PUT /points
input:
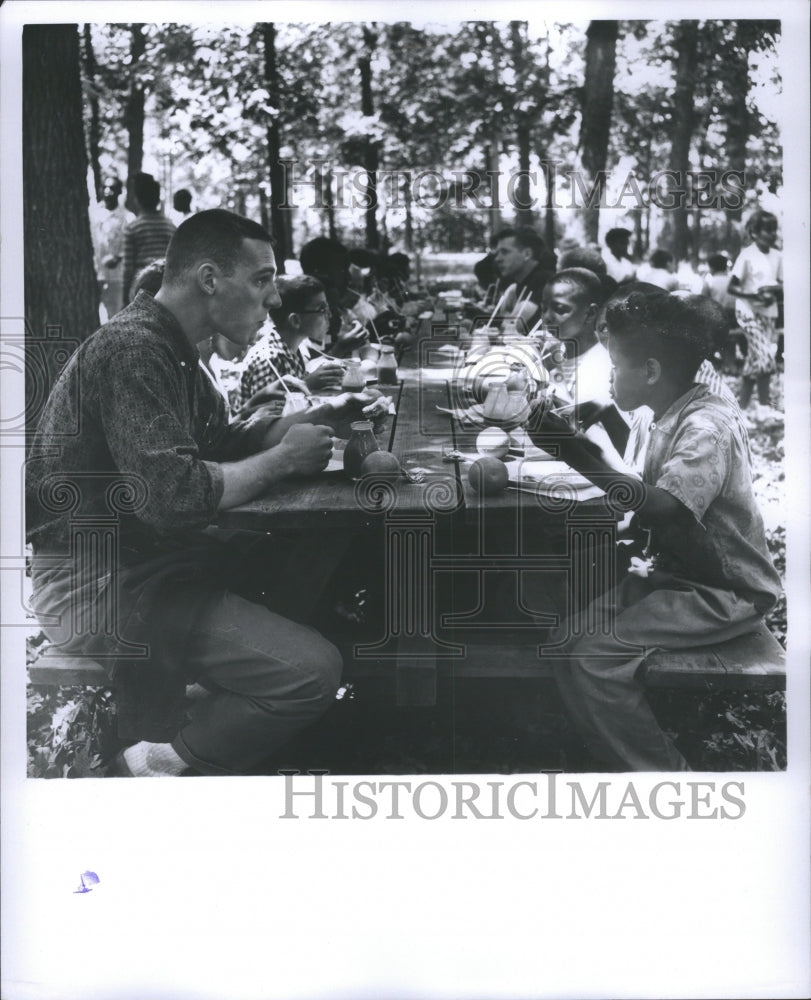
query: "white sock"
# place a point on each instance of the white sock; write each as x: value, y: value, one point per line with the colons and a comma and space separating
x: 154, y: 760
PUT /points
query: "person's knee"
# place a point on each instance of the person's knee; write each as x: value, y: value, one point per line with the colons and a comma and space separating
x: 320, y: 659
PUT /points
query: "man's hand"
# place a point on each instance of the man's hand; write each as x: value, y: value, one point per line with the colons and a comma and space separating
x: 307, y: 448
x: 353, y: 337
x: 350, y: 406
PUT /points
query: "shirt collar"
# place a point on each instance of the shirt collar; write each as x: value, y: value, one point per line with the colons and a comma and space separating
x: 170, y: 325
x: 672, y: 415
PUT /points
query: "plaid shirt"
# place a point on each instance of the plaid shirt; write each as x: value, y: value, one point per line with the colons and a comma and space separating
x: 257, y: 371
x: 133, y: 411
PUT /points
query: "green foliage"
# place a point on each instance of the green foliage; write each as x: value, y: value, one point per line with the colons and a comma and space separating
x: 70, y: 730
x: 446, y: 97
x: 726, y: 731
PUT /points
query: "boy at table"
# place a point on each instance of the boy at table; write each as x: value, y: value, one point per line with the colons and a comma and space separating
x: 135, y: 435
x: 303, y: 314
x: 708, y: 577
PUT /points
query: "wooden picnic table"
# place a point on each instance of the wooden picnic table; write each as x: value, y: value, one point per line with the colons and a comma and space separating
x: 440, y: 530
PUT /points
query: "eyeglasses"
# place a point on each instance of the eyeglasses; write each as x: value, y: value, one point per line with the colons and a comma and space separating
x: 320, y: 311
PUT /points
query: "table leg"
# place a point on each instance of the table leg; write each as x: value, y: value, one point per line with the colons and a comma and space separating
x: 409, y: 636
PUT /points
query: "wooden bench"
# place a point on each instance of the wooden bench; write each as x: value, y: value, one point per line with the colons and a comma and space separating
x: 753, y: 662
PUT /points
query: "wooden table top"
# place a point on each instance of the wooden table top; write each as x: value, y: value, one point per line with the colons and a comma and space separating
x: 419, y: 435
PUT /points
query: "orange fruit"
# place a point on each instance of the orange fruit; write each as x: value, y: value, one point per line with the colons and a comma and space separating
x: 381, y: 463
x: 488, y: 475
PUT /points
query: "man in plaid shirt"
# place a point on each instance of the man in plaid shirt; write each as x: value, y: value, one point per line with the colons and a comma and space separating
x: 136, y: 436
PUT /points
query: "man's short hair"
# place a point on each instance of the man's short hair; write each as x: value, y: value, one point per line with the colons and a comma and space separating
x: 181, y: 202
x: 397, y: 265
x: 525, y: 237
x: 591, y: 260
x: 718, y: 263
x: 618, y: 235
x: 661, y: 259
x: 147, y: 190
x: 215, y: 235
x: 295, y: 292
x: 586, y: 282
x: 661, y: 327
x: 321, y: 254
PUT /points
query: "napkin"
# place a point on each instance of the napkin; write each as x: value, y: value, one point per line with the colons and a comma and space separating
x: 550, y: 478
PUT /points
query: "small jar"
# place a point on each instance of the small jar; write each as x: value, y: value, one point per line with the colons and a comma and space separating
x: 362, y: 442
x: 386, y: 366
x: 354, y: 379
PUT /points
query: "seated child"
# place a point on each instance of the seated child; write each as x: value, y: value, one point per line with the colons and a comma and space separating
x: 304, y: 313
x: 709, y: 576
x: 571, y: 303
x: 707, y: 314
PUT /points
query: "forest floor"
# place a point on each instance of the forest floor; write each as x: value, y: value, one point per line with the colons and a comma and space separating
x: 477, y: 726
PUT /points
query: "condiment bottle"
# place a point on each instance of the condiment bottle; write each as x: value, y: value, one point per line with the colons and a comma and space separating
x: 362, y: 442
x: 386, y: 366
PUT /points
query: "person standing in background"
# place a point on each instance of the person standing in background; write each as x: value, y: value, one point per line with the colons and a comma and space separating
x: 108, y: 222
x: 147, y: 237
x: 619, y: 265
x: 181, y: 206
x: 756, y: 283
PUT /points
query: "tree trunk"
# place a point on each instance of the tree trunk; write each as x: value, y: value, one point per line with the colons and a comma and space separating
x: 523, y: 211
x: 686, y: 42
x: 491, y: 169
x: 134, y: 113
x: 94, y: 131
x: 371, y: 153
x: 409, y: 215
x: 549, y: 171
x: 601, y: 51
x: 737, y: 119
x: 264, y: 218
x: 279, y: 210
x: 61, y: 293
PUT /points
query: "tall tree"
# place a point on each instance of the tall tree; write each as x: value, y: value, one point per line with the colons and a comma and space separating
x: 94, y: 125
x: 279, y: 212
x: 686, y: 45
x: 598, y: 99
x: 60, y: 280
x: 134, y: 111
x: 371, y: 151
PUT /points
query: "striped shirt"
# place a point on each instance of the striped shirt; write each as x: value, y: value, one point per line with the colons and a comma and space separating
x: 145, y: 240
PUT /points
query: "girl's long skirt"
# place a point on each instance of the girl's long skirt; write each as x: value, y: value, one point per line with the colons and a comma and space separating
x: 759, y: 333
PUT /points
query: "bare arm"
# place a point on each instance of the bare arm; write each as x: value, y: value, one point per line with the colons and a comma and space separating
x: 304, y: 450
x: 629, y: 493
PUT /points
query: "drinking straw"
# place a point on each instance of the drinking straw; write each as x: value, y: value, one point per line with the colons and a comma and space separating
x: 523, y: 296
x: 498, y: 306
x: 275, y: 371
